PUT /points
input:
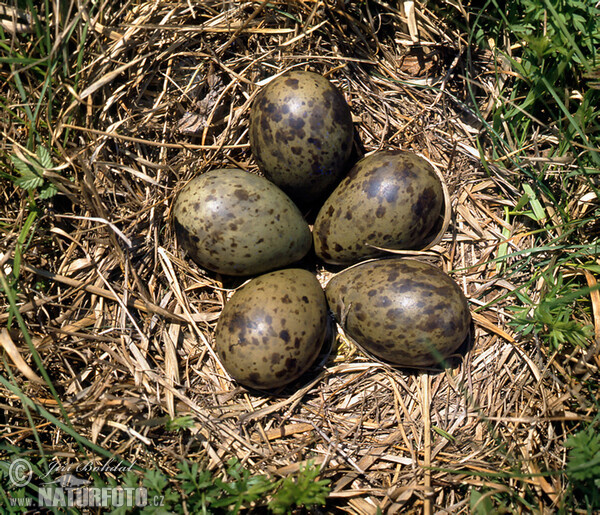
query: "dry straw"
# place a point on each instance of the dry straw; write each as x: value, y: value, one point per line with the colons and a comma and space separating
x: 125, y: 327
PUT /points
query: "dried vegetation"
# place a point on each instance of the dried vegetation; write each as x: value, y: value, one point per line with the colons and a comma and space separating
x: 124, y: 321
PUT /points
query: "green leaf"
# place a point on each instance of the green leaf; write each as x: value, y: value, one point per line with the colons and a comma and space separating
x: 29, y: 182
x: 155, y: 480
x: 481, y: 504
x: 521, y: 202
x: 23, y: 167
x: 176, y: 424
x: 444, y: 434
x: 303, y: 490
x: 44, y: 157
x: 48, y: 191
x: 584, y: 456
x: 536, y: 206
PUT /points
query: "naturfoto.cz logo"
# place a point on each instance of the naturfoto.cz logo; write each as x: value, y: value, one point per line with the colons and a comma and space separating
x: 69, y: 490
x: 92, y: 497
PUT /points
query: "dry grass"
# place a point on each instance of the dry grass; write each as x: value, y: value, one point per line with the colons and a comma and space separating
x: 124, y: 322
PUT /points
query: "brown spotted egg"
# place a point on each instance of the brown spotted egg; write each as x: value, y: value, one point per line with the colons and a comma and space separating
x: 271, y: 330
x: 301, y: 134
x: 390, y: 199
x: 237, y: 223
x: 403, y: 311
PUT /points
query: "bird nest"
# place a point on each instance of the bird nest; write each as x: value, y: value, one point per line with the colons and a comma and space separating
x: 124, y: 321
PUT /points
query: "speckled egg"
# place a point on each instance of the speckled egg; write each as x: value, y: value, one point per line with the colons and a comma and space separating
x: 301, y: 134
x: 271, y: 330
x: 390, y: 199
x: 237, y: 223
x: 403, y: 311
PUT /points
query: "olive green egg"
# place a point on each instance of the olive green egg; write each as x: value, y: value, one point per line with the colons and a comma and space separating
x: 301, y: 134
x: 271, y: 330
x: 238, y: 223
x: 403, y: 311
x: 390, y: 199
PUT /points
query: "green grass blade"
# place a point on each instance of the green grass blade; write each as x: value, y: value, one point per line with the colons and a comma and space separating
x: 567, y: 34
x: 593, y: 153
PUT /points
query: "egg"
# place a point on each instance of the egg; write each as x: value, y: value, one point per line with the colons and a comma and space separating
x: 271, y: 330
x: 390, y: 199
x: 301, y: 134
x: 238, y: 223
x: 403, y: 311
